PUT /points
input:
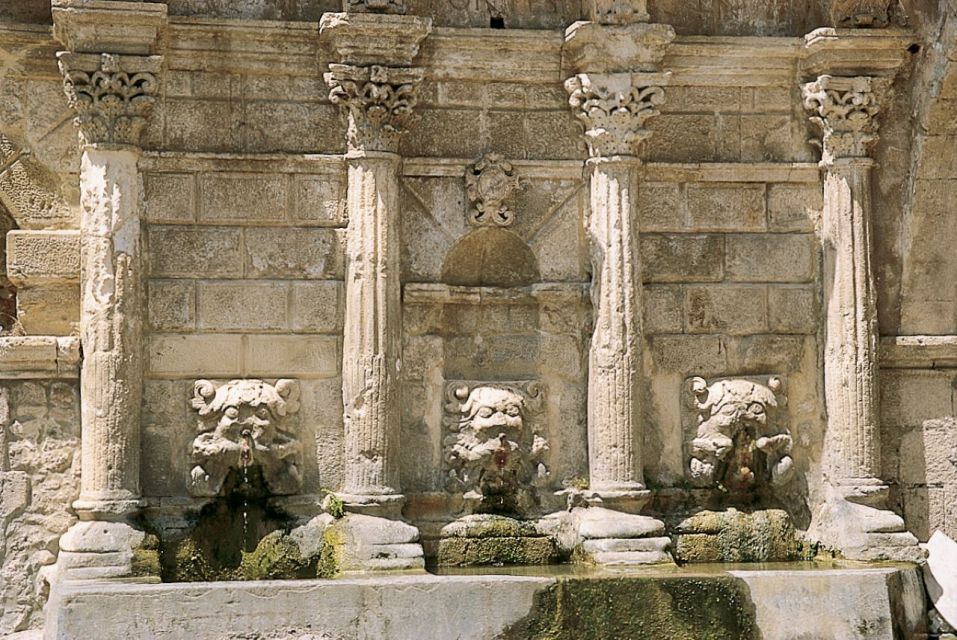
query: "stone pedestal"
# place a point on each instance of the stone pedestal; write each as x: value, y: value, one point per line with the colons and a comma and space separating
x: 373, y: 83
x: 855, y: 517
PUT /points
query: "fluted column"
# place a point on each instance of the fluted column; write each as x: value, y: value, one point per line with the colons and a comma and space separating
x: 855, y: 517
x: 377, y: 90
x: 112, y: 96
x: 615, y: 92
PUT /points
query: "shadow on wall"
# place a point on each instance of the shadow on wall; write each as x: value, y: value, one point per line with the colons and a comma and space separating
x: 490, y: 258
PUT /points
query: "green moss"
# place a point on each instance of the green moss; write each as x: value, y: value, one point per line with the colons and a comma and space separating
x: 633, y: 608
x: 191, y: 564
x: 146, y: 558
x: 334, y: 506
x: 328, y: 563
x: 276, y: 557
x: 734, y: 536
x: 467, y: 552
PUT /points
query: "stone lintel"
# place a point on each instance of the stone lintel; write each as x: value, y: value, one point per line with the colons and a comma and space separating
x: 847, y: 52
x: 96, y: 26
x: 600, y: 48
x: 367, y: 38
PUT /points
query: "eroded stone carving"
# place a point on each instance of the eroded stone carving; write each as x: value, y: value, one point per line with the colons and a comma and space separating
x: 739, y: 441
x: 397, y: 7
x: 614, y: 108
x: 112, y: 104
x: 243, y: 423
x: 846, y: 110
x: 618, y: 11
x: 488, y: 183
x: 379, y: 100
x: 860, y: 13
x: 495, y: 457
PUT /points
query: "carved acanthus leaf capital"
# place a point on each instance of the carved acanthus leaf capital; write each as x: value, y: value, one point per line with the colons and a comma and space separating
x: 846, y: 110
x: 379, y: 101
x: 112, y: 95
x: 614, y: 108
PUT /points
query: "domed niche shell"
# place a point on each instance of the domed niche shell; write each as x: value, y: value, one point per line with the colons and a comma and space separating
x: 490, y: 258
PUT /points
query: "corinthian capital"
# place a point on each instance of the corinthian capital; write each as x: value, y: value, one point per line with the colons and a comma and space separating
x: 846, y: 110
x: 112, y: 95
x: 379, y: 101
x: 614, y: 108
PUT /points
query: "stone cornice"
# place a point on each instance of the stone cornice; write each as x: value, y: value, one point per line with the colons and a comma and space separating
x: 95, y: 26
x: 849, y: 52
x: 367, y: 39
x: 592, y: 47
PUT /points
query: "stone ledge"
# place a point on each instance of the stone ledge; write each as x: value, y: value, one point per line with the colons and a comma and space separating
x: 919, y: 352
x: 556, y: 292
x: 39, y: 357
x: 873, y: 603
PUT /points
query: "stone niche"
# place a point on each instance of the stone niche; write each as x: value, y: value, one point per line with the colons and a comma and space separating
x: 246, y: 424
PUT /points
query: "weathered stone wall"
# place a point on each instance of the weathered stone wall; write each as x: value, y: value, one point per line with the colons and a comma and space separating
x: 39, y: 479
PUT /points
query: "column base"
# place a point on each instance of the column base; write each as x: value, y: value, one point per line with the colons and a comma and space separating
x: 855, y: 520
x: 96, y: 549
x: 374, y: 543
x: 387, y: 505
x: 613, y: 538
x: 623, y: 499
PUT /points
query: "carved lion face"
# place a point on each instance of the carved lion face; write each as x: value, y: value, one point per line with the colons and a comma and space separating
x: 732, y: 404
x: 493, y: 408
x: 246, y: 408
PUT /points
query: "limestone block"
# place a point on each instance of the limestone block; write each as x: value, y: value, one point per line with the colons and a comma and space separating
x: 31, y: 193
x: 322, y: 411
x: 927, y: 453
x: 705, y: 354
x: 678, y: 137
x: 168, y: 197
x: 682, y: 258
x: 319, y: 200
x: 776, y: 138
x: 242, y: 197
x: 212, y: 252
x: 771, y: 352
x: 661, y: 207
x: 38, y: 257
x: 727, y: 309
x: 451, y: 133
x: 171, y: 305
x: 699, y: 99
x: 663, y: 309
x: 316, y: 306
x: 726, y: 206
x: 280, y: 355
x: 241, y: 305
x: 181, y: 355
x: 598, y: 522
x: 940, y: 574
x: 909, y: 397
x: 168, y: 430
x: 794, y: 207
x: 306, y: 253
x: 553, y: 135
x: 49, y: 309
x: 273, y: 127
x: 793, y: 309
x: 774, y: 257
x: 203, y: 125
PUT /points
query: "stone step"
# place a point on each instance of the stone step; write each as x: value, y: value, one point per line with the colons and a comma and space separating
x: 628, y: 558
x: 625, y: 545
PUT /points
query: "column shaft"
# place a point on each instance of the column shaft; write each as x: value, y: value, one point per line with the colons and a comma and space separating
x: 111, y: 376
x: 372, y: 337
x: 851, y: 341
x: 614, y: 441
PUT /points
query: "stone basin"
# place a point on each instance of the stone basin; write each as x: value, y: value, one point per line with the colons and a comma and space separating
x: 788, y: 601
